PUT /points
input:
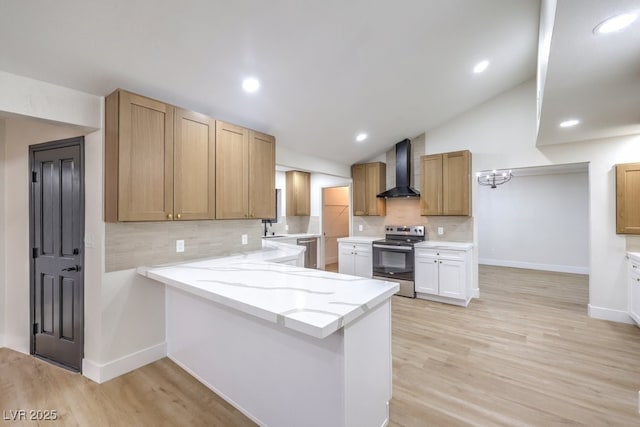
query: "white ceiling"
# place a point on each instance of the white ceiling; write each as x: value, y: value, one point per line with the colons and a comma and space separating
x: 329, y: 69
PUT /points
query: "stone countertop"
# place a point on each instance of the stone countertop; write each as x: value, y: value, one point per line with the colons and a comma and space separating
x: 634, y: 255
x: 434, y: 244
x: 313, y: 302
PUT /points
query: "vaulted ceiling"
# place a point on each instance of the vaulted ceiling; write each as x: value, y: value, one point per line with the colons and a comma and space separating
x: 328, y: 70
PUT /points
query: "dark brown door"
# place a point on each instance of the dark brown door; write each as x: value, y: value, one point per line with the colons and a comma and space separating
x: 57, y: 231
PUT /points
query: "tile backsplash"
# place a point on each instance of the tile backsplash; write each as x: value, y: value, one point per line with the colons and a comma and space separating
x: 133, y: 244
x: 407, y: 212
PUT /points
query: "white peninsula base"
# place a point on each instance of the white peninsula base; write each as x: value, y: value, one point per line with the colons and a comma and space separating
x: 281, y: 377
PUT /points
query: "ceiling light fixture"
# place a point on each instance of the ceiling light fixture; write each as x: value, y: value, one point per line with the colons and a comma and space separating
x: 494, y: 178
x: 569, y: 123
x: 481, y: 66
x: 250, y: 85
x: 361, y: 137
x: 615, y: 23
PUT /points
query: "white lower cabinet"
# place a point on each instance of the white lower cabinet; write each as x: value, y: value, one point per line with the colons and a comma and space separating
x: 355, y: 259
x: 443, y: 275
x: 634, y: 287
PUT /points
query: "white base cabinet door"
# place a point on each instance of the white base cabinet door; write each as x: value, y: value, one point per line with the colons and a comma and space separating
x: 355, y: 259
x: 443, y: 275
x: 426, y: 273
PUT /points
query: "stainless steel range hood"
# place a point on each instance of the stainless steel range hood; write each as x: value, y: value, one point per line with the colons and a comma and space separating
x: 403, y: 173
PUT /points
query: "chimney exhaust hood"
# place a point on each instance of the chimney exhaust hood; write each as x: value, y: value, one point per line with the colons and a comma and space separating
x: 403, y: 173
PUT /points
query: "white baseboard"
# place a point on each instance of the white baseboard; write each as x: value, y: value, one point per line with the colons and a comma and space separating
x: 102, y: 372
x: 535, y: 266
x: 619, y: 316
x: 475, y: 293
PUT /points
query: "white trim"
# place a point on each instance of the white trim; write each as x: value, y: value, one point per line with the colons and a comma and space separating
x: 102, y: 372
x: 475, y: 293
x: 620, y: 316
x: 535, y: 266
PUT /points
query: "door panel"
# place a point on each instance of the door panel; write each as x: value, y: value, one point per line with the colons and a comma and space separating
x: 57, y: 230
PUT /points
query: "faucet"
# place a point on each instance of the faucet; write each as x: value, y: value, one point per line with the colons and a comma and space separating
x: 265, y: 221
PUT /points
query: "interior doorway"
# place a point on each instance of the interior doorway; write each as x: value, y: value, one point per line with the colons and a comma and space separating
x: 335, y: 222
x: 56, y: 232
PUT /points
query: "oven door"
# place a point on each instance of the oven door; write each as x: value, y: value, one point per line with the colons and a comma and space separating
x: 394, y: 262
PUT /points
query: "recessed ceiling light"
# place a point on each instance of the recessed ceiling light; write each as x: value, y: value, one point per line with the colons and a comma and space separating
x: 615, y: 23
x: 250, y: 84
x: 361, y: 137
x: 481, y: 66
x: 569, y: 123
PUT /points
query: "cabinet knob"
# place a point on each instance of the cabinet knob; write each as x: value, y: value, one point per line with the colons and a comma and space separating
x: 638, y: 279
x: 178, y: 216
x: 435, y: 260
x: 169, y: 216
x: 634, y: 266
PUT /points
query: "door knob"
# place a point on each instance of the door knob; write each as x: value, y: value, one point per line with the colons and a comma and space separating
x: 74, y: 268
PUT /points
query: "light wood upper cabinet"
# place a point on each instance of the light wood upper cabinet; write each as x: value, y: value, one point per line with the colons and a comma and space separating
x: 298, y: 193
x: 245, y: 173
x: 159, y: 161
x: 262, y: 175
x: 446, y: 184
x: 138, y: 158
x: 194, y: 163
x: 628, y: 198
x: 369, y: 179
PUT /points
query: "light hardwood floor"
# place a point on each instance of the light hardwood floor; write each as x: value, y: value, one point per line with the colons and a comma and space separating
x: 525, y: 354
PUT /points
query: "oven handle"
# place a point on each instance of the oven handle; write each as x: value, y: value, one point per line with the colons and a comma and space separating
x: 397, y: 248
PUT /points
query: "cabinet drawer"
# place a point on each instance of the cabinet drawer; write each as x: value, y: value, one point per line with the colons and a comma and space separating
x: 441, y: 254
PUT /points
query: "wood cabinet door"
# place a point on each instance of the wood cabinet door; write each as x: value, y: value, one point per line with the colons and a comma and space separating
x: 232, y: 165
x: 628, y: 198
x: 145, y: 159
x: 262, y: 175
x: 431, y: 188
x: 359, y: 177
x: 194, y: 166
x: 376, y: 177
x: 298, y: 193
x: 456, y: 182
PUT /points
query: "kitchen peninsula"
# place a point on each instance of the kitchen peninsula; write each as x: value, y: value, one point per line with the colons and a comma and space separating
x: 287, y: 346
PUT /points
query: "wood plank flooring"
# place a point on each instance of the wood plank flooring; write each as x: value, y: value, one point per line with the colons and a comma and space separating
x: 525, y: 354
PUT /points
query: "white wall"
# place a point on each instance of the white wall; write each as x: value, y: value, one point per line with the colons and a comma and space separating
x: 22, y: 96
x: 535, y: 221
x: 3, y: 206
x: 502, y: 133
x: 20, y: 133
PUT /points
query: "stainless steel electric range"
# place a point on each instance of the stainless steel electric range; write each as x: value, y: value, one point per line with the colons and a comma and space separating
x: 393, y: 257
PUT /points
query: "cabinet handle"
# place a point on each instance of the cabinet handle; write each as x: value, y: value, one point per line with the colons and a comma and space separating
x: 169, y: 216
x: 178, y: 216
x: 634, y: 266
